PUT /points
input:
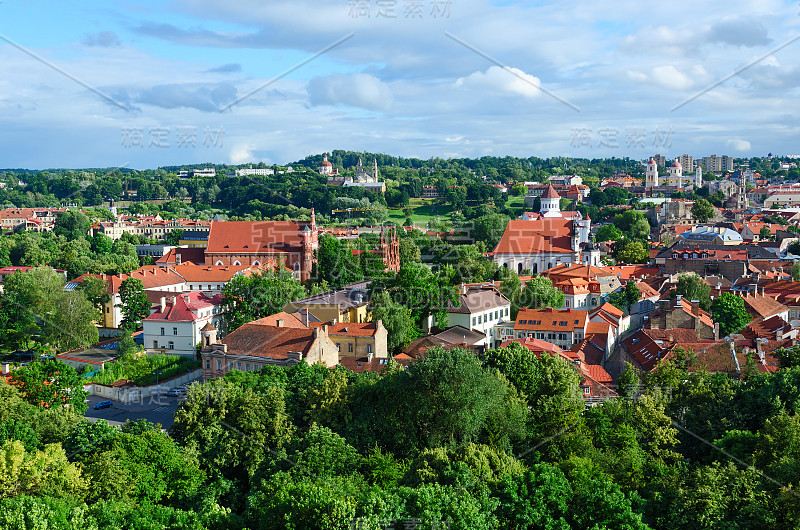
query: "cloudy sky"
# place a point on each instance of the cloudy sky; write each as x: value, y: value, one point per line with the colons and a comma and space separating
x: 144, y: 83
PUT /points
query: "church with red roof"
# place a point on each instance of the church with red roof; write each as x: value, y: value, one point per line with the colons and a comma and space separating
x: 552, y: 239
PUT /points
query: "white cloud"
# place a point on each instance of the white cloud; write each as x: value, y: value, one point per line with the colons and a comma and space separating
x: 511, y: 80
x: 739, y: 145
x: 241, y: 154
x: 356, y: 90
x: 670, y: 77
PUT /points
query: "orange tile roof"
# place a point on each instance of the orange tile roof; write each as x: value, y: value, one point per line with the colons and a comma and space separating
x: 551, y: 234
x: 252, y: 237
x: 348, y: 329
x: 550, y: 319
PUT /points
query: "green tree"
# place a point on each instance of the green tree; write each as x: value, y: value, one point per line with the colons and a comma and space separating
x: 45, y: 472
x: 96, y: 291
x: 702, y: 210
x: 71, y: 224
x: 764, y: 234
x: 632, y: 252
x: 51, y: 384
x: 608, y: 233
x: 489, y: 228
x: 789, y: 357
x: 539, y: 292
x: 229, y: 426
x: 730, y: 313
x: 175, y: 236
x: 147, y: 467
x: 249, y: 298
x: 511, y: 288
x: 336, y: 263
x: 409, y: 251
x: 624, y: 298
x: 134, y: 303
x: 633, y: 223
x: 693, y: 287
x: 101, y: 243
x: 68, y: 321
x: 396, y: 318
x: 419, y: 289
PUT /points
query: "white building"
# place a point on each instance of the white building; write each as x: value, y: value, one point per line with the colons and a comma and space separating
x: 175, y: 326
x: 540, y: 244
x: 254, y: 171
x: 482, y: 308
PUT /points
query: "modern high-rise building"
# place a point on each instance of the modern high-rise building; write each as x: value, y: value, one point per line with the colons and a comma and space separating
x: 727, y: 163
x: 711, y: 163
x: 660, y: 160
x: 687, y: 163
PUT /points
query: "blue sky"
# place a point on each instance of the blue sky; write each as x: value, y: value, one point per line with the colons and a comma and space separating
x: 142, y: 84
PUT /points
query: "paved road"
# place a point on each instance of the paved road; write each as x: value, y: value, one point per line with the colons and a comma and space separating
x: 158, y: 410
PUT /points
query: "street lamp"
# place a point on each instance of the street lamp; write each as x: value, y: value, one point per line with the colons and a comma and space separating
x: 157, y: 373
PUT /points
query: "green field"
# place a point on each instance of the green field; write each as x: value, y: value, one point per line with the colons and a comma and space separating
x: 424, y: 211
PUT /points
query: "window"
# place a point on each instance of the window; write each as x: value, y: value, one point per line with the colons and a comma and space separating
x: 171, y: 345
x: 495, y: 315
x: 174, y: 331
x: 238, y: 365
x: 506, y: 311
x: 576, y: 321
x: 586, y: 390
x: 155, y: 344
x: 208, y: 364
x: 338, y: 346
x: 162, y: 331
x: 209, y: 287
x: 350, y: 347
x: 473, y: 321
x: 369, y: 348
x: 246, y: 367
x: 219, y: 364
x: 566, y: 302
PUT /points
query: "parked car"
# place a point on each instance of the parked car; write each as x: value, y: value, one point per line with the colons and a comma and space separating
x: 174, y: 392
x: 103, y: 405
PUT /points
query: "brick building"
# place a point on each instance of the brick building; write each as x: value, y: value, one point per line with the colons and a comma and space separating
x: 276, y: 243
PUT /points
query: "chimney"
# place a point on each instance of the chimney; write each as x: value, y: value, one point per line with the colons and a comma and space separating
x: 463, y: 289
x: 716, y: 330
x: 163, y: 304
x: 6, y: 368
x: 695, y: 307
x: 177, y: 258
x: 678, y: 298
x: 279, y: 322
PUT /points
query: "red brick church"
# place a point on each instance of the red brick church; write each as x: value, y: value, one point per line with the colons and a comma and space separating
x: 278, y: 243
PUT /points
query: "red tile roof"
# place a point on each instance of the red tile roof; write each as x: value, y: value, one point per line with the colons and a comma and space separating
x: 550, y: 193
x: 183, y: 307
x: 252, y: 237
x: 348, y: 329
x: 269, y: 341
x: 551, y: 234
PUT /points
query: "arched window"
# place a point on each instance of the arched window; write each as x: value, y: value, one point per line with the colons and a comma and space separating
x: 297, y: 266
x: 219, y: 262
x: 235, y: 263
x: 256, y: 263
x: 519, y: 268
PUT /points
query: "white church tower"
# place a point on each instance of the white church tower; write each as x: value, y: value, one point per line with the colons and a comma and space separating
x: 651, y: 174
x: 550, y: 203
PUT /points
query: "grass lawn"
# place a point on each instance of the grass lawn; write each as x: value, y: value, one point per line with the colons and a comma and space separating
x: 424, y: 211
x: 141, y: 372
